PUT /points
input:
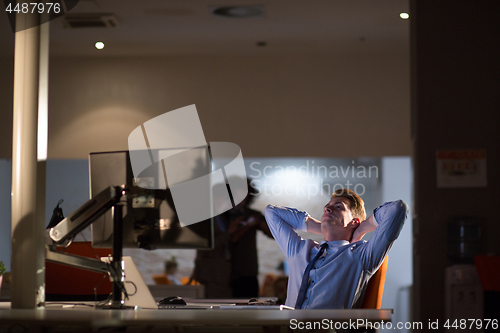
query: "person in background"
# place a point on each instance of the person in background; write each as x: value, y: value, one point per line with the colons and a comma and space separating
x: 171, y: 270
x: 282, y: 268
x: 244, y: 223
x: 212, y: 268
x: 231, y: 268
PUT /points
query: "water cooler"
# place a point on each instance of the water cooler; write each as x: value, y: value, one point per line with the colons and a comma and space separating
x: 464, y: 293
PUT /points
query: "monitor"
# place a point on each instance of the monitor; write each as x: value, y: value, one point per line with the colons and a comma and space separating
x: 149, y: 218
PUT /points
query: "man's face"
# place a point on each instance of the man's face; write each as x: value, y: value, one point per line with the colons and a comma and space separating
x: 336, y: 213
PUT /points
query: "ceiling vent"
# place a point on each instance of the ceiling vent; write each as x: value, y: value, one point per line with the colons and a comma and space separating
x: 89, y: 20
x: 238, y: 11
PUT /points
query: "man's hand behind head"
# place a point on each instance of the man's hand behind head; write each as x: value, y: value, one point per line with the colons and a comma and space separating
x: 364, y: 227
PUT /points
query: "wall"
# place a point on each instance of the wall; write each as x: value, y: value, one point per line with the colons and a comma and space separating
x: 5, y: 185
x: 6, y: 104
x: 397, y: 183
x: 65, y: 179
x: 261, y: 102
x: 455, y: 104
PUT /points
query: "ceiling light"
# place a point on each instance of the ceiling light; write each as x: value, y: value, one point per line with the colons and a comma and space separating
x: 238, y: 11
x: 404, y: 16
x: 99, y: 45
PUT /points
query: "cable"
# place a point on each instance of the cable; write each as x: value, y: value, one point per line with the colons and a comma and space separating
x: 90, y: 246
x: 95, y: 288
x: 135, y: 286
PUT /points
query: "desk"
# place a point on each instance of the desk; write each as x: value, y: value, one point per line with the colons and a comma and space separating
x: 89, y: 319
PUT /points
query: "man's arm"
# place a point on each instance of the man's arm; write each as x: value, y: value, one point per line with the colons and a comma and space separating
x: 283, y: 222
x: 390, y: 218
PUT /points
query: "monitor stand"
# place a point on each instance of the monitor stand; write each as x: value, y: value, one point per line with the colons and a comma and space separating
x: 77, y: 221
x: 117, y: 301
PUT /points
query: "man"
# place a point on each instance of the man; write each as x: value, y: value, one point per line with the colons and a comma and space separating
x: 243, y: 226
x: 339, y: 276
x: 171, y: 271
x: 231, y: 268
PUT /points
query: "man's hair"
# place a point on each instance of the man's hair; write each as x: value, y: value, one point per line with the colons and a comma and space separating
x: 357, y: 205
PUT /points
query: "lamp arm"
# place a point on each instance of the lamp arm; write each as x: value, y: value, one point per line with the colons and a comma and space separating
x: 86, y: 214
x: 69, y: 227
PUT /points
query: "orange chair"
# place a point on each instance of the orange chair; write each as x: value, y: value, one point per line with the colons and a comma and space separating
x: 186, y: 280
x: 375, y: 288
x: 267, y: 289
x: 161, y: 279
x: 280, y: 289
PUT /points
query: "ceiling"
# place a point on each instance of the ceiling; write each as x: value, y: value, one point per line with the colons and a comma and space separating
x: 164, y: 27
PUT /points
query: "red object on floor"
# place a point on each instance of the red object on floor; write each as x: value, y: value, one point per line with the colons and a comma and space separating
x: 488, y: 269
x: 68, y: 283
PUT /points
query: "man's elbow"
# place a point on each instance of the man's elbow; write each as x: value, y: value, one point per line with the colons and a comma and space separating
x: 400, y: 212
x: 402, y: 207
x: 269, y: 211
x: 270, y: 216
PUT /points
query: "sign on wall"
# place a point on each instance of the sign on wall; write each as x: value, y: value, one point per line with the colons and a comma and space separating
x: 461, y: 168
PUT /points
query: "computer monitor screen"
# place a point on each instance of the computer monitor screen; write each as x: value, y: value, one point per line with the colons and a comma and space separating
x: 150, y: 220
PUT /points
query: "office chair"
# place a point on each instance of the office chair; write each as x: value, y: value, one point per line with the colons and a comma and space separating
x: 161, y: 279
x: 375, y: 288
x: 373, y: 294
x: 188, y: 281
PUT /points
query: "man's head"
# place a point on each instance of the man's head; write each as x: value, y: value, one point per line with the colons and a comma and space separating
x: 342, y: 215
x: 356, y: 204
x: 171, y: 266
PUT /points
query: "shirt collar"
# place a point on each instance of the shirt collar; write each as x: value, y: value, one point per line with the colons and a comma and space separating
x: 335, y: 243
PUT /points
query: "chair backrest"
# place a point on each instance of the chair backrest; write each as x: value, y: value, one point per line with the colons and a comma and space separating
x: 280, y: 289
x: 267, y: 289
x: 375, y: 288
x: 187, y: 280
x: 161, y: 279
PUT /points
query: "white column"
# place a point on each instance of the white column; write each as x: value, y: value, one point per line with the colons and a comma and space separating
x: 42, y: 145
x: 27, y: 265
x: 43, y: 92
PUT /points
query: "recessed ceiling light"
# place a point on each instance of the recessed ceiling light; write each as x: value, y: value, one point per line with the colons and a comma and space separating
x: 99, y: 45
x: 404, y: 16
x: 238, y: 11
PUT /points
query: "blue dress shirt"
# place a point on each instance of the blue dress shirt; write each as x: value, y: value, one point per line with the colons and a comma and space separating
x: 339, y: 277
